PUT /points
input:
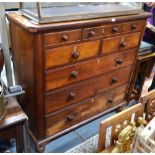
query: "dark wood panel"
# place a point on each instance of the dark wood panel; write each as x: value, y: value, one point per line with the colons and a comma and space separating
x: 70, y: 54
x: 70, y: 116
x: 62, y: 37
x: 85, y: 89
x: 22, y: 43
x: 120, y: 43
x: 65, y: 75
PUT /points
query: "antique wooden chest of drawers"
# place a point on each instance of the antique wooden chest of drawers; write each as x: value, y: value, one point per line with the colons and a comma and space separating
x: 73, y: 72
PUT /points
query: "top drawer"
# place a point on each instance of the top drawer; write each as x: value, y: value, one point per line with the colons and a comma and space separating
x: 106, y: 30
x: 133, y: 26
x: 51, y: 39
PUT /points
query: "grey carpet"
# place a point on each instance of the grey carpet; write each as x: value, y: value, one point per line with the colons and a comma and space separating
x: 88, y: 146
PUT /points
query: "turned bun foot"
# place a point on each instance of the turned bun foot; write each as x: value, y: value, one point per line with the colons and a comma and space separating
x: 40, y: 149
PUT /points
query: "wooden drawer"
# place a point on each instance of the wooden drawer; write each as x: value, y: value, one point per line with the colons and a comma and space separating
x: 62, y: 37
x: 133, y: 26
x: 71, y: 94
x: 70, y: 116
x: 95, y: 32
x: 120, y: 43
x: 70, y: 54
x: 67, y: 75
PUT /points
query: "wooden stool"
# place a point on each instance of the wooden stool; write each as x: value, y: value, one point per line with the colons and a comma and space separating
x: 15, y: 125
x: 143, y: 68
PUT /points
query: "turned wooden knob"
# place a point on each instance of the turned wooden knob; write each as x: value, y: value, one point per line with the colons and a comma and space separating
x: 75, y: 54
x: 114, y: 80
x: 119, y: 61
x: 134, y: 26
x: 123, y: 44
x: 92, y: 33
x: 110, y: 101
x: 72, y: 95
x: 65, y: 38
x: 115, y: 29
x: 70, y: 117
x: 74, y: 74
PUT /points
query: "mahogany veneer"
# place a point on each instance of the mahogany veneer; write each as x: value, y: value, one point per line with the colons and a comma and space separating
x: 73, y: 72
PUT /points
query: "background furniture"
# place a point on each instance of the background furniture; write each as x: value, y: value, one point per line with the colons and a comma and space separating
x: 15, y: 125
x: 111, y: 127
x: 73, y: 72
x: 144, y: 65
x: 149, y: 100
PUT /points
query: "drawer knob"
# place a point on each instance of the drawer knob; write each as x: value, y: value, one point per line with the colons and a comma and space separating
x: 123, y: 44
x: 72, y: 95
x: 65, y: 38
x: 115, y: 29
x: 114, y: 80
x: 74, y: 74
x: 70, y: 117
x: 110, y: 101
x: 92, y: 33
x: 119, y: 62
x: 75, y: 54
x: 134, y: 26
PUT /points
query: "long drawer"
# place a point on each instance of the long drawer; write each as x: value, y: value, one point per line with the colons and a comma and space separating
x: 70, y: 116
x: 70, y: 54
x: 121, y: 43
x: 69, y: 74
x: 68, y: 95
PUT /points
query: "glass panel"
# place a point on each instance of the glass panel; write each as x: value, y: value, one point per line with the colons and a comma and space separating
x: 62, y: 11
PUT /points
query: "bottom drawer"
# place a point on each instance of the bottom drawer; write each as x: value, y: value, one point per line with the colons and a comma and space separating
x: 72, y: 115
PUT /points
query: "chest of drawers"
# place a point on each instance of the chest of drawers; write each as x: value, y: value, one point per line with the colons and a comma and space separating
x: 73, y: 72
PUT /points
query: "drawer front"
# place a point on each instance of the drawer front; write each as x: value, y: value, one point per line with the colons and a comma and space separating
x: 112, y: 29
x: 77, y: 113
x: 133, y: 26
x: 62, y: 37
x: 71, y: 94
x: 67, y: 75
x: 70, y: 54
x: 120, y: 43
x: 95, y: 32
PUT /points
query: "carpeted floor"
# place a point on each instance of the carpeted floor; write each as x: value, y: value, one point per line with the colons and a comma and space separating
x: 89, y: 146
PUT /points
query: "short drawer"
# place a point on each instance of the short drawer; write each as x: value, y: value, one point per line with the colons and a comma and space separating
x: 71, y: 54
x: 100, y: 31
x: 71, y: 94
x: 70, y: 116
x: 120, y: 43
x: 62, y: 37
x: 59, y: 77
x: 133, y: 26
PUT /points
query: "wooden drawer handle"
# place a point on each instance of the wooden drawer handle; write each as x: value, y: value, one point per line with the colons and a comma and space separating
x: 65, y: 38
x: 134, y: 26
x: 110, y: 101
x: 70, y: 117
x: 92, y: 33
x: 75, y: 54
x: 115, y: 29
x: 119, y: 61
x: 123, y: 44
x: 114, y: 80
x: 74, y: 74
x: 72, y: 95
